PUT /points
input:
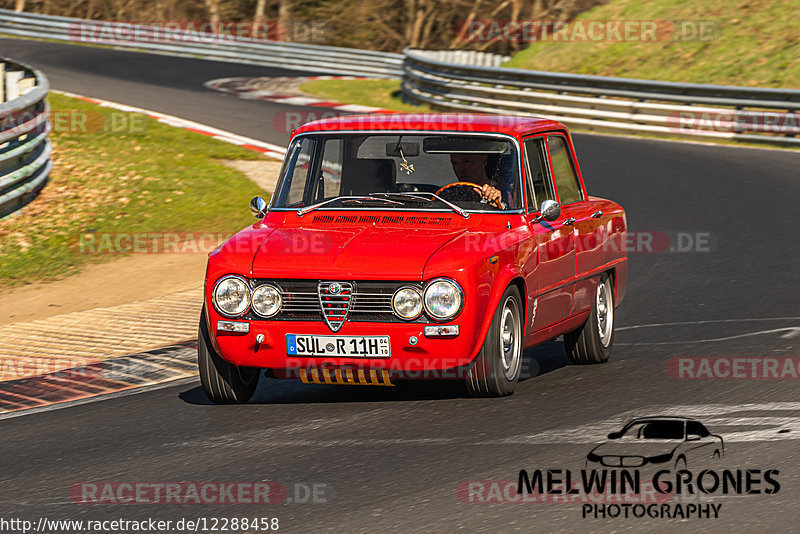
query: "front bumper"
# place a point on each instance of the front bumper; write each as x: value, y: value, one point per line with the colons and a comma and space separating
x: 407, y: 359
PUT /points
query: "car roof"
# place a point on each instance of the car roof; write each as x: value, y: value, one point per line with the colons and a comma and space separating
x: 460, y: 122
x: 660, y: 418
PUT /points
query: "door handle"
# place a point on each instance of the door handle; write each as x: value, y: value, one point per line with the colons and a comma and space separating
x: 570, y: 221
x: 597, y: 214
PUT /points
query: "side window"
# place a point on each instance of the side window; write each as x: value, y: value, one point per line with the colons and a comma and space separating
x: 663, y: 430
x: 693, y: 427
x: 569, y: 190
x: 539, y: 185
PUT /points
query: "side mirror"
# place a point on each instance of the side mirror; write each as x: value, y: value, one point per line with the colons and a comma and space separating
x: 258, y: 207
x: 692, y: 437
x: 549, y: 210
x: 614, y: 435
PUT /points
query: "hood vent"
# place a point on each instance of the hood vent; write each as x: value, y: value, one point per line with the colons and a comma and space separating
x: 414, y: 220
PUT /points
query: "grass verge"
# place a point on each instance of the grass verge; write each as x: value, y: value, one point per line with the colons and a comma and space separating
x: 378, y: 93
x: 120, y: 174
x: 754, y: 43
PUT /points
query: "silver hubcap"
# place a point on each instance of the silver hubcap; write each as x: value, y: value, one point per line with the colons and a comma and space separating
x: 604, y: 306
x: 510, y: 339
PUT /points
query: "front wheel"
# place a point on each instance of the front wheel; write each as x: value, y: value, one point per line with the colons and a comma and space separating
x: 223, y: 382
x: 496, y: 370
x: 592, y: 342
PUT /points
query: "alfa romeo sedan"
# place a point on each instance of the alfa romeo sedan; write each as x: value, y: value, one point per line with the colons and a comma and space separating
x: 402, y: 247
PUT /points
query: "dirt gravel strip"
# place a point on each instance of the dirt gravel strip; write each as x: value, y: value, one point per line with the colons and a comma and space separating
x: 86, y: 337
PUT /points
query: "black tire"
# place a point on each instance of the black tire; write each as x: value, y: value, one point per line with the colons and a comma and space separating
x: 495, y: 371
x: 223, y: 382
x: 586, y: 345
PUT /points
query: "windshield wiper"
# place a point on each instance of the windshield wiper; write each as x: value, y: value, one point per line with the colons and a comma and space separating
x: 308, y: 209
x: 410, y: 196
x: 433, y: 196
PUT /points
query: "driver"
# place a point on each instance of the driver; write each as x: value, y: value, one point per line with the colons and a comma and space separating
x: 472, y: 168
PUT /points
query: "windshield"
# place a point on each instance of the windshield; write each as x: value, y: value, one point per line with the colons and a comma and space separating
x: 475, y: 173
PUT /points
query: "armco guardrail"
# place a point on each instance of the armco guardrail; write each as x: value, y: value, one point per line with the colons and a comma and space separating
x: 599, y: 103
x: 296, y: 56
x: 24, y: 148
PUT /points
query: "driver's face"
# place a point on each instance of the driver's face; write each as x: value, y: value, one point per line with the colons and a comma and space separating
x: 469, y: 167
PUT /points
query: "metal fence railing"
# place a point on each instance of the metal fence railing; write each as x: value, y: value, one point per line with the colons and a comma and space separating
x: 599, y: 103
x: 24, y: 148
x: 295, y: 56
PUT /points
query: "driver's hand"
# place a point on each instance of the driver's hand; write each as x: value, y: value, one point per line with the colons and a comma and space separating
x: 491, y: 194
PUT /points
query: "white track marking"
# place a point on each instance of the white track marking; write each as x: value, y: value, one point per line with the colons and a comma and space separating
x: 790, y: 332
x: 654, y: 325
x: 229, y: 137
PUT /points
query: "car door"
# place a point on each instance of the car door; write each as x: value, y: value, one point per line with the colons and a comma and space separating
x: 700, y: 445
x: 582, y: 214
x: 554, y: 242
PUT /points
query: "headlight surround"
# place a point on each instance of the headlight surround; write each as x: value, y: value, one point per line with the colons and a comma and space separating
x: 443, y: 299
x: 407, y: 303
x: 266, y: 300
x: 231, y: 296
x: 660, y: 459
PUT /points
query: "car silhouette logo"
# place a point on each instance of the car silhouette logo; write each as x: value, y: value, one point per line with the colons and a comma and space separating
x: 677, y: 441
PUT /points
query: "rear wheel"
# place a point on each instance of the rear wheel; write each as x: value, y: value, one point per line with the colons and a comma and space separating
x: 496, y: 370
x: 592, y: 342
x: 223, y: 382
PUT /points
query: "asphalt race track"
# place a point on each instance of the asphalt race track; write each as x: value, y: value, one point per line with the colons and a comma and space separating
x: 394, y: 460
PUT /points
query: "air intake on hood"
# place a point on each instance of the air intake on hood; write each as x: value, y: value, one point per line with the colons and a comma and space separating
x: 416, y: 220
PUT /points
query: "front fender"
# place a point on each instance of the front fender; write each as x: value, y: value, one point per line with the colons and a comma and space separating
x: 484, y: 266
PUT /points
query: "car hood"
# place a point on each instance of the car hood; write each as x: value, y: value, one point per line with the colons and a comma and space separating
x: 646, y: 448
x: 348, y: 252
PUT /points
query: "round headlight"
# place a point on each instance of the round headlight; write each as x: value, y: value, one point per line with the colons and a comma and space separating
x: 407, y: 303
x: 231, y: 296
x: 443, y: 299
x: 266, y: 300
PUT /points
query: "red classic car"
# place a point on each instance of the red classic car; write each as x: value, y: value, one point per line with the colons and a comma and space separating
x: 402, y: 247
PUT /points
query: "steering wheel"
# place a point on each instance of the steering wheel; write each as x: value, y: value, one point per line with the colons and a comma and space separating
x: 466, y: 193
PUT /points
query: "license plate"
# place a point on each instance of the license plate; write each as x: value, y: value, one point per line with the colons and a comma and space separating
x: 339, y: 346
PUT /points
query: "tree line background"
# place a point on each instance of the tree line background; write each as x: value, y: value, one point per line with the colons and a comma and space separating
x: 387, y: 25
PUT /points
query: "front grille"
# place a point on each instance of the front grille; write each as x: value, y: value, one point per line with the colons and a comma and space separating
x: 369, y: 301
